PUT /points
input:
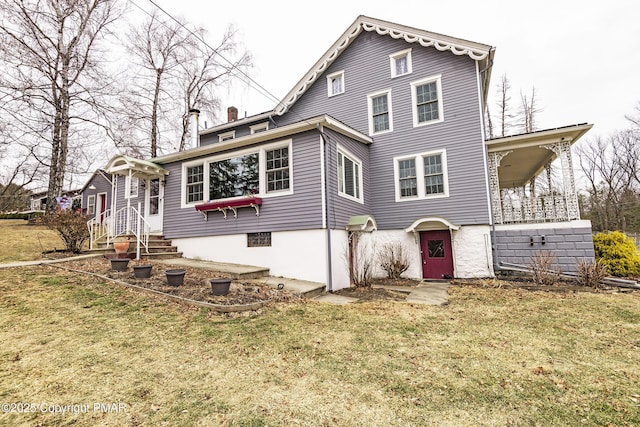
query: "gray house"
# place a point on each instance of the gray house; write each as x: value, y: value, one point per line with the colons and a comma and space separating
x: 382, y: 141
x: 96, y: 195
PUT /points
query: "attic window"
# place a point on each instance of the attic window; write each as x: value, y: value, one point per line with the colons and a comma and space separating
x: 262, y: 127
x: 226, y: 136
x: 335, y: 83
x: 400, y: 63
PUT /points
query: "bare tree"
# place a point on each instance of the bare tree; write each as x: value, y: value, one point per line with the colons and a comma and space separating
x: 178, y: 71
x: 528, y: 111
x: 157, y: 47
x: 204, y: 70
x: 612, y: 169
x: 52, y: 74
x: 505, y: 116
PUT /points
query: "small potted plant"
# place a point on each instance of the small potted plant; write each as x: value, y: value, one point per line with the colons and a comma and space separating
x: 121, y: 244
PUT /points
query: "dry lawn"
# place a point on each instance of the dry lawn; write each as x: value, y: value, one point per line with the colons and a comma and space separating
x: 24, y: 242
x: 490, y: 357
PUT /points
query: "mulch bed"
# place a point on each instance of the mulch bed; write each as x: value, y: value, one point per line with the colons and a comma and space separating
x: 196, y: 285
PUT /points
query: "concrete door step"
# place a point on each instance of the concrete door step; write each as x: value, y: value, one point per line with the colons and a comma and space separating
x: 236, y: 271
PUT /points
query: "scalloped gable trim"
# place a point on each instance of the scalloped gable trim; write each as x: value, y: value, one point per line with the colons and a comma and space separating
x: 475, y: 51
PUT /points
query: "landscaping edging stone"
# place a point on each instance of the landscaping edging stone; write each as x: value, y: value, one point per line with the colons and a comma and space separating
x: 218, y: 308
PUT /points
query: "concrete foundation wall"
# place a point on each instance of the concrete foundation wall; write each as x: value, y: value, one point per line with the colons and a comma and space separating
x: 569, y: 242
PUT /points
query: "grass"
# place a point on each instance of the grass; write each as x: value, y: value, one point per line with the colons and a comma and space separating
x: 24, y: 242
x: 490, y: 357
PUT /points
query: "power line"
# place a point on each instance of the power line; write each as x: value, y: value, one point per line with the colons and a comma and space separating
x: 262, y: 90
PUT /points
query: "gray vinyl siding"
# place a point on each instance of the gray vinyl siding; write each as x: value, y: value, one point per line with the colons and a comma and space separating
x: 299, y: 211
x: 342, y: 208
x: 243, y: 130
x: 367, y: 70
x: 102, y: 186
x: 121, y: 201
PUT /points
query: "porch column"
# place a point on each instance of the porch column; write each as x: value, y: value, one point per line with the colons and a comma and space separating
x: 563, y: 151
x: 494, y: 185
x: 127, y: 194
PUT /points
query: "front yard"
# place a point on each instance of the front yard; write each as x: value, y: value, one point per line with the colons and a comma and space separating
x: 489, y: 357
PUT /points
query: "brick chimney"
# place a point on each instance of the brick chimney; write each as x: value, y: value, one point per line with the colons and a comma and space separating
x: 232, y: 114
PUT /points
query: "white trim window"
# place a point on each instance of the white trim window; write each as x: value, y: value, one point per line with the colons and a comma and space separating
x: 380, y: 115
x: 263, y: 172
x: 277, y: 172
x: 131, y: 185
x: 226, y: 136
x: 194, y: 182
x: 426, y: 97
x: 349, y: 176
x: 421, y: 176
x: 261, y: 127
x: 91, y: 204
x: 400, y: 63
x: 335, y: 83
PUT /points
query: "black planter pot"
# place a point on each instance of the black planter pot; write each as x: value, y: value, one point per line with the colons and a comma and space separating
x: 175, y: 277
x: 220, y: 286
x: 119, y: 264
x: 142, y: 271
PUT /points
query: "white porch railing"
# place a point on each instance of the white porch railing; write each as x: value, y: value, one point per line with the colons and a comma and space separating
x: 125, y: 221
x: 524, y: 209
x: 98, y: 227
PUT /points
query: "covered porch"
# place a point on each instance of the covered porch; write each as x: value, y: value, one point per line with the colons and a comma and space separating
x: 137, y: 192
x: 523, y: 186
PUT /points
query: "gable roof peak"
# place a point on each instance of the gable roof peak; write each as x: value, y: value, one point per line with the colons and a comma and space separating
x: 482, y: 53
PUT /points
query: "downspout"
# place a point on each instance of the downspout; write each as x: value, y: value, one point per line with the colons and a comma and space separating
x: 327, y: 200
x: 496, y: 262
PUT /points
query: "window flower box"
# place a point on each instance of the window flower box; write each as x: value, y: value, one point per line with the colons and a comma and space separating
x: 233, y: 205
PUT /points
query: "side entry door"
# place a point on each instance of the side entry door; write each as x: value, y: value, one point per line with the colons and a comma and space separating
x: 437, y: 257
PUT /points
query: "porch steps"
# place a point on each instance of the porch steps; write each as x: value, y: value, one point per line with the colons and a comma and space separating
x: 159, y: 248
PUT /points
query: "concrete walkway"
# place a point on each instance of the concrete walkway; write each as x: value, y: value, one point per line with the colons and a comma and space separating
x: 46, y: 261
x: 427, y: 292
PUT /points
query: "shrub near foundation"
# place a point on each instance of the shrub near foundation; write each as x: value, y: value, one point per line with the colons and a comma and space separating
x: 618, y: 253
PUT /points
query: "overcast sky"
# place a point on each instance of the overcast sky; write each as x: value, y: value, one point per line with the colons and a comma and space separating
x: 583, y: 57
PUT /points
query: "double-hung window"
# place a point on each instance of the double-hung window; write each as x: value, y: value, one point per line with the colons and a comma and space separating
x: 380, y: 116
x: 91, y: 204
x: 421, y: 176
x: 335, y: 83
x: 426, y: 96
x: 400, y: 63
x: 277, y: 169
x: 349, y: 176
x: 194, y: 183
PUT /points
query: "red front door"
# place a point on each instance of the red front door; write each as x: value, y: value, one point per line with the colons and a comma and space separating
x: 103, y: 206
x: 437, y: 258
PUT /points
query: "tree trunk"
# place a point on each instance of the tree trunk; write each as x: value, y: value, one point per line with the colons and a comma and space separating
x: 154, y: 114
